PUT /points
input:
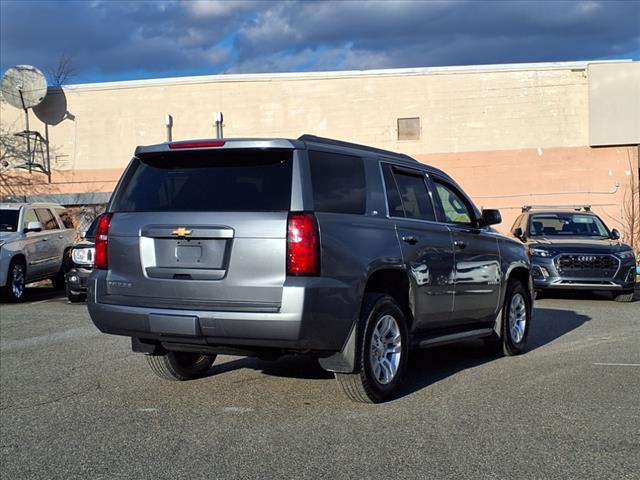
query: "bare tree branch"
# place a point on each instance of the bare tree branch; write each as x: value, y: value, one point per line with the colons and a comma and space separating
x: 63, y: 72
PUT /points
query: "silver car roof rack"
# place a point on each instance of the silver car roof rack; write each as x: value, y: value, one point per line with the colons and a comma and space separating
x: 577, y: 208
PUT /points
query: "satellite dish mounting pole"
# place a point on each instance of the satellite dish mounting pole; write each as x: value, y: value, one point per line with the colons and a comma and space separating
x: 26, y: 117
x: 217, y: 123
x: 48, y: 159
x: 168, y: 122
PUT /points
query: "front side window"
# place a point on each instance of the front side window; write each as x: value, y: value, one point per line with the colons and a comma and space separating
x: 455, y: 208
x: 338, y: 183
x: 47, y: 219
x: 29, y: 216
x: 566, y: 225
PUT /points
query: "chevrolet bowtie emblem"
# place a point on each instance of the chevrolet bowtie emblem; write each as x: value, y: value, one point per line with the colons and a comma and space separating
x: 181, y: 232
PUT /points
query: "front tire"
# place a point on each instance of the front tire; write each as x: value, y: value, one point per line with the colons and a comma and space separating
x: 381, y: 357
x: 516, y: 319
x: 180, y: 366
x: 514, y: 322
x: 626, y: 296
x: 75, y: 297
x: 59, y: 282
x: 16, y: 281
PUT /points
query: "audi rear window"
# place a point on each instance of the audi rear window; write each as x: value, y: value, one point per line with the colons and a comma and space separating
x: 248, y: 180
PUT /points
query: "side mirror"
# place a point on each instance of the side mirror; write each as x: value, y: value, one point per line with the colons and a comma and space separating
x: 491, y: 217
x: 518, y: 233
x: 615, y: 234
x: 33, y: 227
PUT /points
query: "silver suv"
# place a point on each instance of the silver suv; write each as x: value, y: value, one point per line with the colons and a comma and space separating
x: 34, y: 240
x: 350, y: 254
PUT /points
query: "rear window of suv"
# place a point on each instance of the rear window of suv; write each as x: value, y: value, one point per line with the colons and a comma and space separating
x: 207, y: 181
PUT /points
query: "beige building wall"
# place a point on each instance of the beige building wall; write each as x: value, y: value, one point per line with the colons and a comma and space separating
x: 510, y: 134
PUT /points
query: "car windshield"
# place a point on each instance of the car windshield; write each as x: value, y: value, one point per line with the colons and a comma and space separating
x: 9, y: 220
x: 567, y: 225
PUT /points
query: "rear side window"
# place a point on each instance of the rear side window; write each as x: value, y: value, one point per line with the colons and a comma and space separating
x: 47, y: 219
x: 248, y: 180
x: 338, y: 183
x: 394, y: 203
x: 407, y: 194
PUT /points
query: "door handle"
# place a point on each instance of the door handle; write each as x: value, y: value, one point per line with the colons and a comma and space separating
x: 45, y: 239
x: 411, y: 240
x: 459, y: 244
x: 60, y: 237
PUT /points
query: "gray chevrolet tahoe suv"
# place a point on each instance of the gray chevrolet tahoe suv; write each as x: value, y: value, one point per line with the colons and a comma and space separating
x: 347, y: 253
x: 34, y: 241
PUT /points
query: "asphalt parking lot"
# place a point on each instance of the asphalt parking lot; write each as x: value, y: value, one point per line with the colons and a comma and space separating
x: 78, y: 404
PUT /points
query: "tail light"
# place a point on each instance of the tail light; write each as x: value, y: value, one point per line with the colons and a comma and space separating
x: 303, y: 245
x: 102, y: 237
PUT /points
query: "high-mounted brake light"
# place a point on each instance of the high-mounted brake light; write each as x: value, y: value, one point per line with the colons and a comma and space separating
x: 303, y: 245
x: 179, y: 145
x: 102, y: 236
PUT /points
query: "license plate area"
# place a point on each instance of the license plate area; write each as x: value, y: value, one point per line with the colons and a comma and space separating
x: 203, y: 255
x: 190, y: 253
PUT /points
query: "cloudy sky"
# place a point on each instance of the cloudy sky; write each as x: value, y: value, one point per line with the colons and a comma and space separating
x: 117, y: 40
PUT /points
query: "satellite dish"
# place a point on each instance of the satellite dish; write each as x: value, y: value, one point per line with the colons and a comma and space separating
x: 24, y: 86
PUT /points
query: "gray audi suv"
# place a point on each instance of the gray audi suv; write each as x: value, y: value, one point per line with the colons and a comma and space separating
x: 268, y: 247
x: 574, y: 249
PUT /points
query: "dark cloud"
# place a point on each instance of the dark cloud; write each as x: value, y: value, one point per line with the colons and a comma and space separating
x: 118, y: 40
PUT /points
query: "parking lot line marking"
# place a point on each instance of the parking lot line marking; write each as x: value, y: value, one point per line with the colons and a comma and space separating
x: 618, y: 364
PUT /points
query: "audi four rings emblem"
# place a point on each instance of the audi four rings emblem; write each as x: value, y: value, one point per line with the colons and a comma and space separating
x: 586, y: 258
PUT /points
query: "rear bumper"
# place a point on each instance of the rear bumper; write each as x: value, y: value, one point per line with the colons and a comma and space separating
x: 546, y: 276
x: 304, y: 321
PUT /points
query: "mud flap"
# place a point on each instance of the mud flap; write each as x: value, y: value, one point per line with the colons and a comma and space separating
x: 343, y: 361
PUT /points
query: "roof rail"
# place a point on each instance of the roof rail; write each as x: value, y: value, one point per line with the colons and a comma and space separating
x: 577, y: 208
x: 339, y: 143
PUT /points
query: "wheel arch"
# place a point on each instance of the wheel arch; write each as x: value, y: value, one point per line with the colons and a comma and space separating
x: 20, y: 257
x: 521, y: 273
x: 388, y: 280
x: 395, y: 283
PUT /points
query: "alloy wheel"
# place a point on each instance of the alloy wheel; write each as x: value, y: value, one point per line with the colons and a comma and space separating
x: 517, y: 318
x: 17, y: 280
x: 386, y: 349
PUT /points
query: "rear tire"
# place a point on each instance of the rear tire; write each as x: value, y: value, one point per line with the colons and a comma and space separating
x: 16, y: 281
x: 626, y: 296
x: 383, y: 348
x: 180, y: 366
